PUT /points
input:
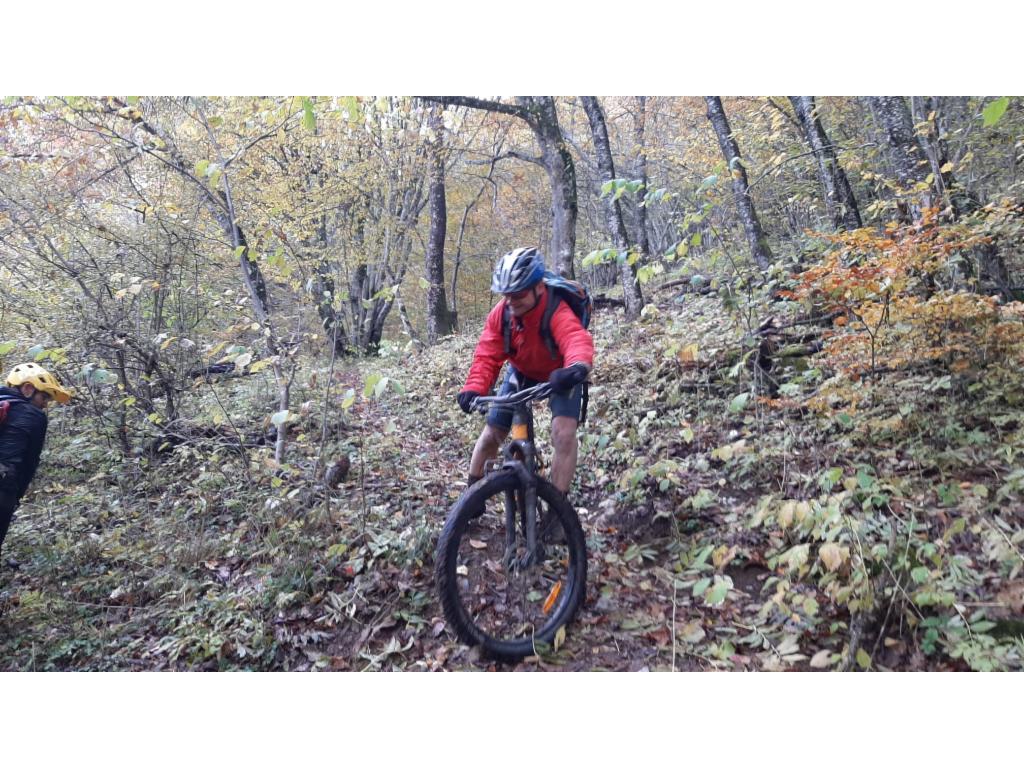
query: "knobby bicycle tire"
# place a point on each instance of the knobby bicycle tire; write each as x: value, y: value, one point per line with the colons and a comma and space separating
x: 465, y: 610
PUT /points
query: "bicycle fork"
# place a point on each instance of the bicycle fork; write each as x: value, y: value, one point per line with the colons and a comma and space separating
x: 524, y: 505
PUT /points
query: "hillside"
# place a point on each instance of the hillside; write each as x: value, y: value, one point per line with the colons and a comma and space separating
x: 726, y: 530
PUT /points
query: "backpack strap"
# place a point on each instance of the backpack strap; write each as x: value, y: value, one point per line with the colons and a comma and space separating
x: 506, y: 328
x: 545, y: 322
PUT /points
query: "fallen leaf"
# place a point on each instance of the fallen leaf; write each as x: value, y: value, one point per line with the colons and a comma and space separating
x: 559, y: 637
x: 821, y: 659
x: 692, y: 632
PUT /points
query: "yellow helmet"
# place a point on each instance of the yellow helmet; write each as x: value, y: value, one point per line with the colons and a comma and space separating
x: 40, y: 378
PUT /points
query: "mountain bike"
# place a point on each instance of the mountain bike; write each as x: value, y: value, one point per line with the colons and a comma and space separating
x: 512, y: 559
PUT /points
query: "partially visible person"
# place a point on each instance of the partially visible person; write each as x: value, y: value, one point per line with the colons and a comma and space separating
x: 30, y: 390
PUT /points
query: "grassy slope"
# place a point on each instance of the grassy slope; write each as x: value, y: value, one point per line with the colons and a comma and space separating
x: 709, y: 525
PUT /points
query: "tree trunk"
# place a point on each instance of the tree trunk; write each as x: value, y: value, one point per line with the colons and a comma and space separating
x: 839, y: 199
x: 756, y: 237
x: 955, y: 197
x: 631, y: 292
x: 640, y: 170
x: 561, y: 173
x: 439, y: 321
x: 540, y: 114
x: 908, y: 158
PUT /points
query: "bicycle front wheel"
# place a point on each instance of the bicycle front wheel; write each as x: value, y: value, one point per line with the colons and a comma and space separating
x: 497, y: 594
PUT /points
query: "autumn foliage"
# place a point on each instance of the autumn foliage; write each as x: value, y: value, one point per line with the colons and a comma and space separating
x: 905, y: 296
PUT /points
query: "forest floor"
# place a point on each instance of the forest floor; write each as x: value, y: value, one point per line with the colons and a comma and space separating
x: 725, y: 531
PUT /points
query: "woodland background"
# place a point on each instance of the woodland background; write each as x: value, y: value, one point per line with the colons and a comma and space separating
x: 804, y: 443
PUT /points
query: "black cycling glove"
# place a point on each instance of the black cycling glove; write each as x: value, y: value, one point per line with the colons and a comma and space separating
x: 466, y: 398
x: 564, y: 379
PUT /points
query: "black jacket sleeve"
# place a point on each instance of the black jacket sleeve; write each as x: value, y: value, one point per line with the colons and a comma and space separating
x: 33, y: 450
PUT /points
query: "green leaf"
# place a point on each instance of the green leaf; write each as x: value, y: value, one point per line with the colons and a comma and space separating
x: 308, y: 118
x: 995, y: 110
x: 718, y: 592
x: 279, y: 418
x: 201, y: 167
x: 337, y: 550
x: 215, y: 178
x: 703, y: 499
x: 349, y: 399
x: 739, y: 402
x: 829, y: 478
x: 708, y: 182
x: 370, y: 384
x: 701, y: 586
x: 863, y: 660
x: 7, y: 346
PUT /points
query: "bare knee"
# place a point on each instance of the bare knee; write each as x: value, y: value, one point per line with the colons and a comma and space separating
x: 492, y: 437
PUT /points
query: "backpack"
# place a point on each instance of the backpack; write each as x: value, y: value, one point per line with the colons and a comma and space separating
x: 560, y: 289
x: 5, y: 407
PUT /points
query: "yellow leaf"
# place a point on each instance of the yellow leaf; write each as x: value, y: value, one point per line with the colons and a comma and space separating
x: 719, y: 555
x: 688, y: 354
x: 946, y: 168
x: 801, y: 510
x: 833, y: 556
x: 722, y: 556
x: 559, y: 637
x: 785, y: 514
x: 723, y: 453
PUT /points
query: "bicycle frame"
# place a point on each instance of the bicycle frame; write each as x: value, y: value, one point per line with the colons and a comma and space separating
x: 520, y: 455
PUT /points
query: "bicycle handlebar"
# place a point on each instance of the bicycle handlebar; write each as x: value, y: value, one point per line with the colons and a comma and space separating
x: 522, y: 397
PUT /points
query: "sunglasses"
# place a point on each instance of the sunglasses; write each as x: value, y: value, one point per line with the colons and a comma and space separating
x: 518, y: 295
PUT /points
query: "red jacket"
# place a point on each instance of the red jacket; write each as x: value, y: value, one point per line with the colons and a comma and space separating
x: 529, y: 352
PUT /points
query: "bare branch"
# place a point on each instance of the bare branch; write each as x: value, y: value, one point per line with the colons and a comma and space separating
x: 515, y: 110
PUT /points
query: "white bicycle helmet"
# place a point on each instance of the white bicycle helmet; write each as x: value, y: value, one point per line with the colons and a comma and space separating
x: 518, y: 270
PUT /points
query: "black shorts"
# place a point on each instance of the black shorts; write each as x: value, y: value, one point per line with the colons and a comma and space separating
x: 562, y: 403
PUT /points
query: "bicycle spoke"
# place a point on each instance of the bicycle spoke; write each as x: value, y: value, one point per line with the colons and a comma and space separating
x: 508, y: 597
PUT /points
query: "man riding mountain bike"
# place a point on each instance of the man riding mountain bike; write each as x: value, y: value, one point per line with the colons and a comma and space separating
x: 519, y: 277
